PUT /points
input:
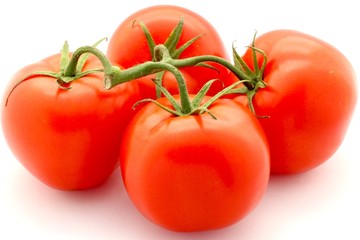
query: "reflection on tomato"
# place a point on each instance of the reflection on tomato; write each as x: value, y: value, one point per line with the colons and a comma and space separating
x: 195, y: 173
x: 67, y: 138
x: 310, y: 98
x: 128, y: 45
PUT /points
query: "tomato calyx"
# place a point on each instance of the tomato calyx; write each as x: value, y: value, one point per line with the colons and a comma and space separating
x: 71, y: 67
x: 254, y: 76
x: 187, y: 107
x: 170, y: 43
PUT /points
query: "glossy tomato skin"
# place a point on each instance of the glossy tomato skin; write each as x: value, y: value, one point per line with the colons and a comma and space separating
x: 195, y: 173
x: 310, y: 99
x: 68, y: 139
x: 128, y: 47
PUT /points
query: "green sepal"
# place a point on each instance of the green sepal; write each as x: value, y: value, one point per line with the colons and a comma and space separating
x: 174, y: 37
x: 65, y: 79
x: 201, y: 94
x: 240, y: 63
x: 65, y: 57
x: 39, y: 73
x: 171, y: 99
x: 220, y: 94
x: 169, y: 110
x: 203, y: 64
x: 176, y: 54
x: 150, y: 41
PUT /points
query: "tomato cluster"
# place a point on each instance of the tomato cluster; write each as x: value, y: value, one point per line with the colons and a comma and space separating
x: 196, y: 136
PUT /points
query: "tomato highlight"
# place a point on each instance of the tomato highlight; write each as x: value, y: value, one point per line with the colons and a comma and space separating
x: 184, y: 33
x: 195, y: 173
x: 309, y: 99
x: 66, y: 134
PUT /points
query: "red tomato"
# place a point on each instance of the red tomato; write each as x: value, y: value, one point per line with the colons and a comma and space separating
x: 128, y: 45
x: 310, y: 99
x: 195, y: 173
x: 68, y: 139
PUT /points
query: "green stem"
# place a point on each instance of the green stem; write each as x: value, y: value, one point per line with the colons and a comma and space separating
x: 132, y: 73
x: 192, y: 61
x: 161, y: 50
x: 163, y: 62
x: 150, y: 68
x: 163, y: 56
x: 109, y: 70
x: 184, y: 95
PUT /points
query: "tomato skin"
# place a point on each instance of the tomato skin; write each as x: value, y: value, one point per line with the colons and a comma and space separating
x: 195, y: 173
x: 68, y: 139
x: 310, y: 98
x: 160, y: 20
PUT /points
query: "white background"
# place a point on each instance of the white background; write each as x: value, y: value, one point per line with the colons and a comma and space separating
x: 320, y: 204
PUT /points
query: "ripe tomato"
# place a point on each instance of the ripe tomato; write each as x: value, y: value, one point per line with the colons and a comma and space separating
x: 193, y: 172
x: 128, y: 46
x: 68, y: 139
x: 310, y: 99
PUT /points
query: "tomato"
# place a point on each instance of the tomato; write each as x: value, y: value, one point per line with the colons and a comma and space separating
x: 128, y: 46
x: 67, y: 138
x: 194, y: 173
x: 309, y: 100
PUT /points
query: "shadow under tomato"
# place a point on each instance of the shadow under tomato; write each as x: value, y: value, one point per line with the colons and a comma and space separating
x: 309, y: 192
x: 106, y: 212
